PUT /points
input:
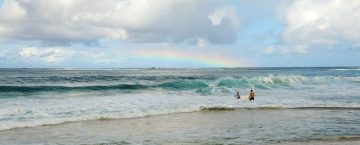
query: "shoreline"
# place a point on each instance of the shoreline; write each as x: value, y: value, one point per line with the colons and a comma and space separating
x: 201, y: 109
x: 242, y: 126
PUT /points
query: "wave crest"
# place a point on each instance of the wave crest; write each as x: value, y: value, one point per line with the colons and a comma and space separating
x: 200, y: 86
x: 52, y: 121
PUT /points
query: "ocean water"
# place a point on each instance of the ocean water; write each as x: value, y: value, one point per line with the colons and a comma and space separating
x: 35, y: 97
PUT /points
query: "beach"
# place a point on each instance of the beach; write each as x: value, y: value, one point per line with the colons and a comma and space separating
x: 241, y: 126
x: 180, y: 106
x: 179, y: 72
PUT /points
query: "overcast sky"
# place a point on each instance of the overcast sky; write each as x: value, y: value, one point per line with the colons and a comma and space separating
x: 179, y: 33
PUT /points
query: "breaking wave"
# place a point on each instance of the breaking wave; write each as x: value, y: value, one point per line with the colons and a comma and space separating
x: 200, y: 85
x: 5, y: 125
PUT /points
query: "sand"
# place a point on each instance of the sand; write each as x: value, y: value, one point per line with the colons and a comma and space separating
x: 244, y: 126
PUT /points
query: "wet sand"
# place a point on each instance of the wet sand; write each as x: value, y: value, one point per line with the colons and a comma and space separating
x: 242, y: 126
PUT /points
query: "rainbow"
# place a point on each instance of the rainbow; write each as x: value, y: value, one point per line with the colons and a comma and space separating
x: 205, y: 59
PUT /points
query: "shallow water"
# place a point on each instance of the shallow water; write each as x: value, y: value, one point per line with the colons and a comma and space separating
x: 240, y: 126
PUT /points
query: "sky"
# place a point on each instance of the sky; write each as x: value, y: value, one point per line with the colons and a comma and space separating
x: 179, y: 33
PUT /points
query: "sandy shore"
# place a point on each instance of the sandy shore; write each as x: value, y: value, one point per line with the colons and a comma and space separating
x: 350, y: 142
x: 244, y: 126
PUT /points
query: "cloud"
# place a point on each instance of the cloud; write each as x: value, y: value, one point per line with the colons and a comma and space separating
x: 29, y: 52
x: 324, y: 22
x: 202, y: 42
x: 14, y: 11
x: 62, y: 22
x: 132, y: 55
x: 188, y: 57
x: 97, y: 57
x: 49, y: 55
x: 286, y: 49
x: 64, y: 56
x: 221, y: 13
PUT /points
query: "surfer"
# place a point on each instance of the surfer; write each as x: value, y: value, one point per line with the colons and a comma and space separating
x: 252, y: 95
x: 237, y: 96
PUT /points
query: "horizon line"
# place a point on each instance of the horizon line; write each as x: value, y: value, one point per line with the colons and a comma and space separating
x: 176, y: 67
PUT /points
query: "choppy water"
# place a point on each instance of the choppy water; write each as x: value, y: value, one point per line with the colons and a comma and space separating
x: 32, y: 97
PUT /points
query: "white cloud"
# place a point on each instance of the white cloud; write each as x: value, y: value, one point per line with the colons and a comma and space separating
x: 201, y: 42
x: 321, y: 21
x: 49, y: 55
x: 221, y: 13
x: 12, y: 11
x: 86, y: 21
x: 29, y: 52
x: 64, y: 55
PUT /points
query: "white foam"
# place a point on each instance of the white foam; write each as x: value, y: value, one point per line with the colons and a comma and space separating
x: 27, y: 111
x: 346, y: 69
x: 23, y: 112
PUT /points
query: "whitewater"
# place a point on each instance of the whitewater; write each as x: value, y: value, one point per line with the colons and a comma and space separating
x: 35, y: 97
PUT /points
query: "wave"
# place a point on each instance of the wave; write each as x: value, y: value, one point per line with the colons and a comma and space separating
x: 183, y: 85
x: 96, y: 79
x: 200, y: 86
x: 217, y: 108
x: 178, y: 85
x: 221, y: 108
x: 347, y: 69
x: 5, y: 125
x: 264, y: 82
x: 29, y: 89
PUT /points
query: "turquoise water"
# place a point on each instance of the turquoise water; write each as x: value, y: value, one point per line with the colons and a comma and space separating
x: 33, y: 97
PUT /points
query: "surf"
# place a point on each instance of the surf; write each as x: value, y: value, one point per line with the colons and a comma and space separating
x: 33, y: 97
x: 197, y: 84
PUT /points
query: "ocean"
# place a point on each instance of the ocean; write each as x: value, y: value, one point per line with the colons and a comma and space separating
x: 291, y: 105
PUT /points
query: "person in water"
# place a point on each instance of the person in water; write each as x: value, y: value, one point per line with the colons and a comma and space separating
x: 237, y: 95
x: 252, y: 95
